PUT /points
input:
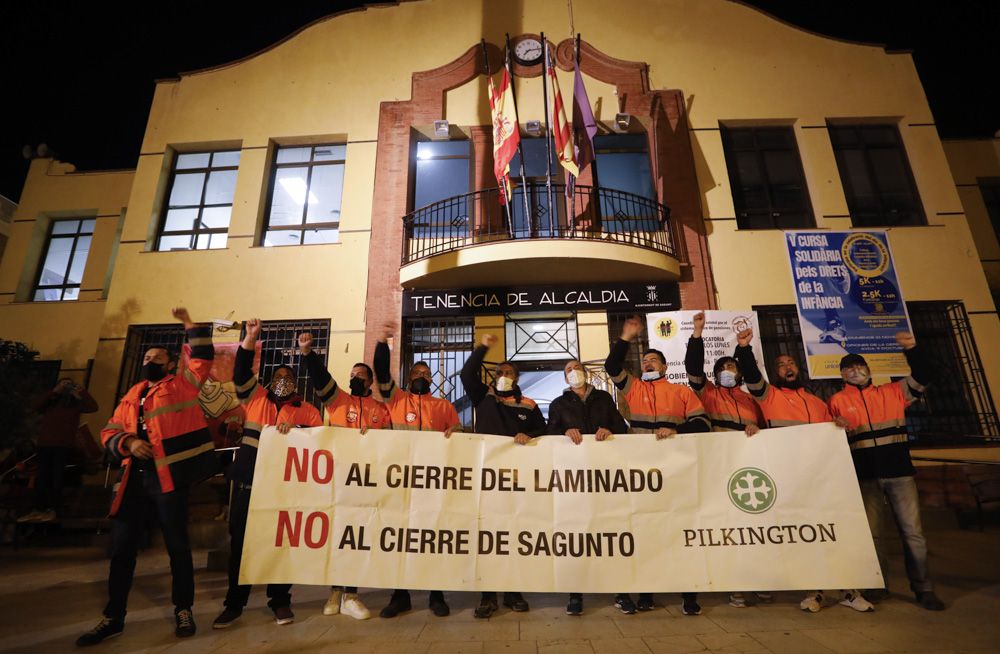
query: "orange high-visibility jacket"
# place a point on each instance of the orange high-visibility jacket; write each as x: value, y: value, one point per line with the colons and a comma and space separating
x: 782, y: 407
x: 262, y: 411
x: 344, y: 409
x: 408, y: 410
x: 183, y: 451
x: 729, y: 409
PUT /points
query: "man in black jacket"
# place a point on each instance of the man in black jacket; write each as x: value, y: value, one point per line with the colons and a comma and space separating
x: 583, y: 409
x: 502, y: 410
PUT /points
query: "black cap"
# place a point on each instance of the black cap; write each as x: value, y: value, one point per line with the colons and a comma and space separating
x: 852, y: 360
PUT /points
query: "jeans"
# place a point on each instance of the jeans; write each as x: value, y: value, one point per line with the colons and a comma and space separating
x: 49, y: 483
x: 142, y: 495
x: 278, y: 595
x: 900, y: 493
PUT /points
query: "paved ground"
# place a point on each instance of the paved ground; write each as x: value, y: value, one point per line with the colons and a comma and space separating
x: 50, y: 595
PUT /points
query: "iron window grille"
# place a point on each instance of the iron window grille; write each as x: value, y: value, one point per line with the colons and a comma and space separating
x: 766, y: 176
x: 61, y: 271
x: 199, y: 201
x: 305, y: 195
x: 780, y: 334
x: 139, y: 339
x: 444, y: 345
x: 279, y: 345
x: 541, y: 338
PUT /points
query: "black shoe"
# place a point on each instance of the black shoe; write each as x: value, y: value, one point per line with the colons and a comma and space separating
x: 283, y: 615
x: 437, y: 605
x: 487, y: 606
x: 690, y: 606
x: 625, y: 604
x: 645, y: 602
x: 228, y: 616
x: 515, y: 602
x: 575, y: 606
x: 184, y: 620
x: 875, y: 595
x: 930, y: 601
x: 106, y: 628
x: 398, y: 603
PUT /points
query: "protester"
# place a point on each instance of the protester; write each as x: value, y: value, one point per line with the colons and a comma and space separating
x: 503, y: 410
x: 658, y: 407
x: 357, y: 409
x: 876, y: 431
x: 160, y: 434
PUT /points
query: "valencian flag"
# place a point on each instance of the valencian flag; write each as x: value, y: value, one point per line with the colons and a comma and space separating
x: 561, y: 130
x: 506, y: 135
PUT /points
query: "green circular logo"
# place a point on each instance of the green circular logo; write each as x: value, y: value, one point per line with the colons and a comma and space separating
x: 752, y: 490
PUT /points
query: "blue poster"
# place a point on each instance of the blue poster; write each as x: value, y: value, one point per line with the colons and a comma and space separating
x: 848, y: 300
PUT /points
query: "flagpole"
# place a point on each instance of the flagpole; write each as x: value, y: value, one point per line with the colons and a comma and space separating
x: 502, y: 183
x: 548, y: 129
x: 520, y: 150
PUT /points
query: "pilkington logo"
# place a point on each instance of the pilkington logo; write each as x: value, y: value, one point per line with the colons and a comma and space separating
x: 752, y: 490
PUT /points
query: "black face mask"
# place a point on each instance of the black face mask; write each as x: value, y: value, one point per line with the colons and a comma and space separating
x: 153, y: 372
x: 420, y: 386
x: 358, y: 387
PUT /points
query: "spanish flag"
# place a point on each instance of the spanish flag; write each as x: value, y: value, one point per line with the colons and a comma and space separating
x: 562, y: 132
x: 506, y: 135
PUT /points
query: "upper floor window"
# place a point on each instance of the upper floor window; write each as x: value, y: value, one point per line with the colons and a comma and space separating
x: 200, y: 201
x: 442, y: 175
x: 307, y: 188
x: 876, y: 176
x: 64, y: 261
x: 765, y: 173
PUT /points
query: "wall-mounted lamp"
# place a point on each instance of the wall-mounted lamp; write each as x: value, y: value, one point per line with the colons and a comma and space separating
x: 622, y: 121
x: 441, y: 128
x: 533, y: 127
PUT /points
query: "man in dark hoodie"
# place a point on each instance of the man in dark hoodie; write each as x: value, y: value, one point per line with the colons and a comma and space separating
x: 500, y: 409
x: 876, y: 431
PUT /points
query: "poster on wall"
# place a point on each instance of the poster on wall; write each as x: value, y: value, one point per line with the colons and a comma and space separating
x: 848, y: 299
x: 669, y: 332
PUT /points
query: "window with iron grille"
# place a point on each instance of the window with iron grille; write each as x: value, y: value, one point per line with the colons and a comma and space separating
x: 876, y: 176
x: 541, y: 337
x: 279, y: 345
x: 444, y: 345
x: 61, y: 271
x: 139, y: 339
x: 780, y: 334
x: 616, y: 321
x: 199, y: 201
x: 765, y: 173
x: 307, y: 188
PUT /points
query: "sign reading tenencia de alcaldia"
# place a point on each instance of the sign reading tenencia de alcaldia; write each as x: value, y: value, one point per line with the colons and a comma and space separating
x: 598, y: 297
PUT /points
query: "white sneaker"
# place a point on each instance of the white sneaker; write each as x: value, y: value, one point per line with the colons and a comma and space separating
x: 737, y: 600
x: 353, y: 606
x: 30, y: 517
x: 854, y: 600
x: 813, y: 602
x: 332, y: 606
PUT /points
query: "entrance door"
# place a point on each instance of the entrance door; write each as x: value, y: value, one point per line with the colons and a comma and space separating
x: 541, y: 344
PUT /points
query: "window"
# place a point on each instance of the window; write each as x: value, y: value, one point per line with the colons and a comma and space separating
x: 65, y: 259
x: 139, y: 339
x: 990, y: 189
x: 622, y: 164
x: 443, y: 170
x: 307, y: 189
x: 616, y: 321
x: 530, y: 204
x: 199, y: 201
x: 765, y: 173
x: 876, y: 176
x: 540, y: 337
x: 780, y: 334
x: 445, y: 346
x: 279, y: 345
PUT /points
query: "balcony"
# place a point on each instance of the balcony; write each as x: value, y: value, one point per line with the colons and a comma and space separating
x: 592, y: 235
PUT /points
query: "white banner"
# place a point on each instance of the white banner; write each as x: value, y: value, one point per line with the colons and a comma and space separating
x: 669, y: 333
x: 699, y: 512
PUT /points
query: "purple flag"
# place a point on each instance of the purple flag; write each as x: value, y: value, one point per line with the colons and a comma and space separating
x: 584, y: 125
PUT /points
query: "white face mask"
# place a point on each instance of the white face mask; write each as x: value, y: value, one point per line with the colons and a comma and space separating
x: 727, y: 379
x: 651, y: 375
x: 504, y: 384
x: 576, y: 378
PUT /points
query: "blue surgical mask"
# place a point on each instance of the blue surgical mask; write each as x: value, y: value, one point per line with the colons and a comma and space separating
x: 727, y: 379
x: 651, y: 375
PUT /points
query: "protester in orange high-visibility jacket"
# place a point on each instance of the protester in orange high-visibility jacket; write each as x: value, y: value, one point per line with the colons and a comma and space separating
x: 655, y: 406
x: 876, y: 431
x: 357, y: 409
x: 414, y: 409
x: 160, y: 434
x: 786, y: 403
x: 278, y: 404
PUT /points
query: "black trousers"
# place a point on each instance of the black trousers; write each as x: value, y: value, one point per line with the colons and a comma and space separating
x: 49, y: 483
x: 142, y: 495
x: 278, y: 595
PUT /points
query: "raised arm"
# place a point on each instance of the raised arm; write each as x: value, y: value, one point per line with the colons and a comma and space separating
x: 199, y: 337
x: 472, y: 378
x: 694, y: 358
x: 748, y: 364
x: 322, y: 380
x: 615, y: 363
x: 243, y: 377
x: 382, y: 362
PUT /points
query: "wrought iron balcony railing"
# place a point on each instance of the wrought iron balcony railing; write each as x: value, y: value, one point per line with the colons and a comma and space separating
x: 537, y: 211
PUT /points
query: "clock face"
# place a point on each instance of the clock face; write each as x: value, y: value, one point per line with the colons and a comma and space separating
x: 528, y: 51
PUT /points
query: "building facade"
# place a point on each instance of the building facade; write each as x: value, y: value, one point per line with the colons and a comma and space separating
x: 343, y: 179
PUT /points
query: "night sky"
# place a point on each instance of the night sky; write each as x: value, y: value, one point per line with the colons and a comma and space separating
x: 79, y: 77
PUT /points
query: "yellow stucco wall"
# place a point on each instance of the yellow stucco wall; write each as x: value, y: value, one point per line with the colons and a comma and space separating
x: 972, y: 160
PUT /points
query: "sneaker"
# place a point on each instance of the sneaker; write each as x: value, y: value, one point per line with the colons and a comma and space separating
x: 764, y: 598
x: 283, y: 615
x: 737, y: 600
x: 515, y: 602
x: 625, y: 604
x: 184, y: 620
x: 813, y: 602
x: 575, y: 606
x: 352, y: 606
x: 227, y: 618
x: 332, y: 606
x: 487, y: 606
x: 437, y: 605
x: 930, y: 601
x: 46, y: 516
x: 854, y: 600
x: 398, y: 603
x: 690, y: 606
x: 645, y: 602
x: 106, y: 628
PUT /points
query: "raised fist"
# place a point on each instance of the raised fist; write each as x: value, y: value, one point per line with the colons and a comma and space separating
x: 744, y: 337
x: 305, y: 342
x: 253, y: 328
x: 489, y: 340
